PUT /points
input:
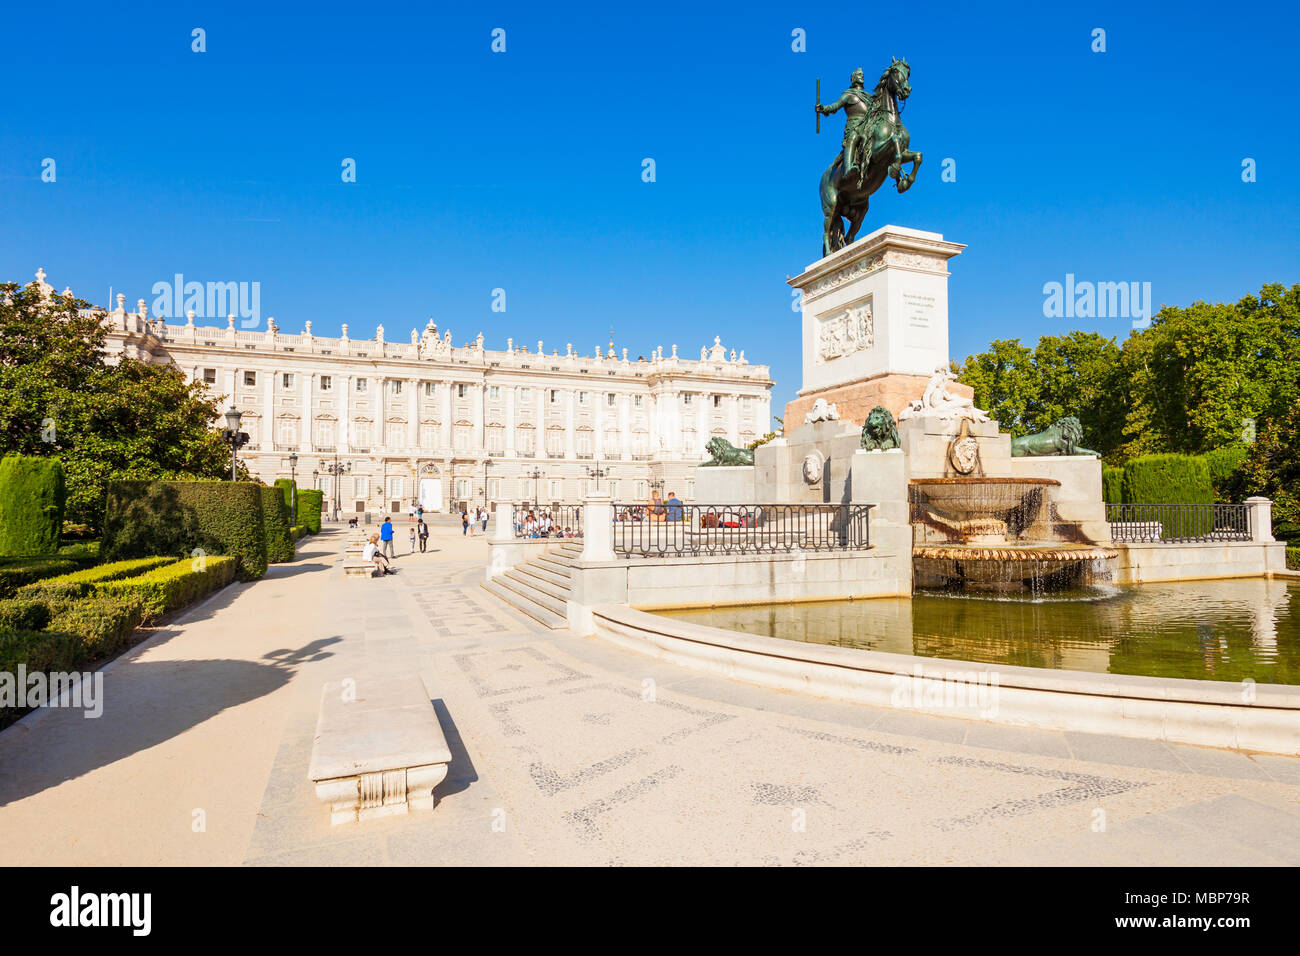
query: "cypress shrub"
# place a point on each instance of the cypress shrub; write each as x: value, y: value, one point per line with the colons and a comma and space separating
x: 288, y: 489
x: 32, y: 495
x: 1167, y: 479
x: 1112, y: 485
x: 1293, y: 559
x: 144, y: 518
x: 310, y: 503
x: 275, y: 525
x: 15, y: 574
x: 1224, y: 464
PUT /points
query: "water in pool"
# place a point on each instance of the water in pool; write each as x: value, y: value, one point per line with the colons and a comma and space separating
x: 1210, y: 630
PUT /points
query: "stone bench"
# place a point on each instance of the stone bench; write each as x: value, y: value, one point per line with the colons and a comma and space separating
x: 358, y: 569
x: 378, y: 750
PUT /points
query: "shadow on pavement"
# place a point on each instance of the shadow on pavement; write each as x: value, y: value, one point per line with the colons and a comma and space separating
x: 460, y: 772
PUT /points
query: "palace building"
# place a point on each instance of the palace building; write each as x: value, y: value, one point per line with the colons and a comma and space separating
x: 447, y: 425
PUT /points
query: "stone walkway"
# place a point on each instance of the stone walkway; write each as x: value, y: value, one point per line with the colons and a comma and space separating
x: 569, y: 751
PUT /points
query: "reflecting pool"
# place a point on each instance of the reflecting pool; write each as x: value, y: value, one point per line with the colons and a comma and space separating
x: 1204, y: 630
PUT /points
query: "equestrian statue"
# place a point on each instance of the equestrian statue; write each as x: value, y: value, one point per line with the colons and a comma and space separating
x: 875, y: 145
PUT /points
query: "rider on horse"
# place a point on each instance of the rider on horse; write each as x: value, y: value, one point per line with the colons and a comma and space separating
x: 856, y: 103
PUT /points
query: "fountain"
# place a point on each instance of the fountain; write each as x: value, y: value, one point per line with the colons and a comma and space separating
x: 1000, y: 536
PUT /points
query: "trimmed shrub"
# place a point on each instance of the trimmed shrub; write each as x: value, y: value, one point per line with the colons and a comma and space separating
x: 38, y: 652
x: 1293, y: 559
x: 287, y: 488
x: 298, y: 531
x: 173, y: 587
x: 275, y: 525
x: 143, y: 518
x: 16, y: 573
x: 1112, y: 485
x: 1166, y: 479
x: 1224, y: 464
x: 103, y: 623
x: 1286, y: 531
x: 69, y: 587
x: 32, y: 494
x: 83, y: 552
x: 311, y: 501
x: 23, y: 615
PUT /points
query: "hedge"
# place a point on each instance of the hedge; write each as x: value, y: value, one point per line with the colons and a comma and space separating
x: 1112, y: 485
x: 287, y: 488
x: 32, y: 494
x: 1293, y: 559
x: 16, y: 573
x: 104, y: 623
x: 143, y: 518
x: 1165, y: 479
x: 84, y: 552
x: 176, y: 585
x: 310, y: 503
x: 298, y: 531
x: 23, y: 615
x: 68, y: 587
x: 39, y: 652
x: 1223, y: 464
x: 275, y: 525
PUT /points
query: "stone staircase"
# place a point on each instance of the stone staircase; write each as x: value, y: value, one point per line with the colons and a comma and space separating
x: 540, y: 587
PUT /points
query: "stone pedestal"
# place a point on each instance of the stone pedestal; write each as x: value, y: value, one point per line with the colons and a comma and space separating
x: 926, y: 441
x: 725, y: 485
x: 875, y: 322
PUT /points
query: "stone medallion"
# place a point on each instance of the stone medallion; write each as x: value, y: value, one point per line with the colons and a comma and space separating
x: 964, y: 452
x: 812, y: 468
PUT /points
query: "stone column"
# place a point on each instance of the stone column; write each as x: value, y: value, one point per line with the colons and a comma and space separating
x: 478, y: 412
x: 733, y: 425
x: 510, y: 421
x: 1261, y: 519
x: 570, y: 399
x: 413, y: 417
x: 446, y: 410
x: 381, y: 423
x: 625, y: 425
x: 598, y: 421
x: 307, y: 435
x: 702, y: 431
x: 270, y: 434
x: 543, y: 397
x: 597, y: 527
x: 345, y: 416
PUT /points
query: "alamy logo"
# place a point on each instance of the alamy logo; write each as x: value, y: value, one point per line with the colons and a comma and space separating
x: 77, y: 691
x: 75, y: 908
x: 1096, y: 300
x: 212, y: 300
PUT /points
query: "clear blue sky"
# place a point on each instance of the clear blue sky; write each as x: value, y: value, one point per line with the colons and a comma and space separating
x: 522, y: 170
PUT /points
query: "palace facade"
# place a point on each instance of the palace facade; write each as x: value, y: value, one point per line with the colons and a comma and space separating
x: 447, y: 425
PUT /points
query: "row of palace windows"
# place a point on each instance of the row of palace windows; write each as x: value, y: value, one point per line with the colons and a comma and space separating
x: 397, y: 488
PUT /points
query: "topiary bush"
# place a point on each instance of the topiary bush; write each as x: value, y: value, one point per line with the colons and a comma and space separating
x: 173, y: 587
x: 275, y: 525
x: 310, y: 503
x: 18, y: 614
x: 69, y: 587
x: 1225, y: 467
x: 1112, y: 485
x: 287, y: 488
x: 43, y: 651
x: 103, y: 623
x: 14, y: 573
x: 32, y: 495
x: 143, y: 518
x: 1167, y: 479
x: 1293, y: 559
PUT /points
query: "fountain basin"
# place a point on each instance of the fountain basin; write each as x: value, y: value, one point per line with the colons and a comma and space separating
x: 1008, y: 569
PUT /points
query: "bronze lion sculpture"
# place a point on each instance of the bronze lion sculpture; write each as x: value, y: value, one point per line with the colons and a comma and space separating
x: 725, y: 453
x: 879, y: 432
x: 1062, y: 438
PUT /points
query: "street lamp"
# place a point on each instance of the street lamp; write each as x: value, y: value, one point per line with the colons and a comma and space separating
x: 234, y: 437
x: 598, y: 473
x: 487, y: 463
x: 293, y: 490
x: 536, y: 475
x: 337, y: 470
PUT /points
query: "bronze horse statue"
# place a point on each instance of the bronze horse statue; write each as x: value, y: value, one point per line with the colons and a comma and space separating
x: 879, y: 142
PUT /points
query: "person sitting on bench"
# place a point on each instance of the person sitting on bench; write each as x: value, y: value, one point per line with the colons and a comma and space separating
x: 372, y: 554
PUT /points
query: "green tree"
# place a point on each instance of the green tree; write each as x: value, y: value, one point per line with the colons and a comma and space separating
x: 1272, y: 469
x: 59, y: 397
x: 1006, y: 383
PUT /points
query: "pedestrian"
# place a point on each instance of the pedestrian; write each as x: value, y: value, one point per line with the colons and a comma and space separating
x: 464, y: 521
x: 419, y: 513
x: 386, y: 537
x: 485, y: 520
x: 412, y: 540
x: 424, y: 535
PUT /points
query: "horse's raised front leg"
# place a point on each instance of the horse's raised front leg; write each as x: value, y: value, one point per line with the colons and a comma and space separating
x: 907, y: 156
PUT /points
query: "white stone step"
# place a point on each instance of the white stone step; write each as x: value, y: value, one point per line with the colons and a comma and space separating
x: 553, y: 563
x: 553, y: 574
x: 525, y: 606
x: 530, y: 577
x: 521, y: 586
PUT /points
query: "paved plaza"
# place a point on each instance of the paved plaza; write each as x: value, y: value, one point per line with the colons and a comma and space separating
x: 566, y: 750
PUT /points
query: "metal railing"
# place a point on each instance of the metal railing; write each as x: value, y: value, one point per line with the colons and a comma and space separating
x: 674, y: 530
x: 1219, y: 521
x: 547, y: 520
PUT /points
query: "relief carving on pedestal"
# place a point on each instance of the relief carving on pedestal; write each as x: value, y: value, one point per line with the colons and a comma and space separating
x: 845, y: 332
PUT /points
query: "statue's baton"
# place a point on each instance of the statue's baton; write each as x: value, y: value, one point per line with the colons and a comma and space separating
x: 819, y: 103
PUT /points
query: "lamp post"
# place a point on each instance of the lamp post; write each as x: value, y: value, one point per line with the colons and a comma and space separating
x: 487, y: 463
x: 536, y: 475
x: 598, y: 473
x: 336, y: 469
x: 235, y: 437
x: 293, y: 489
